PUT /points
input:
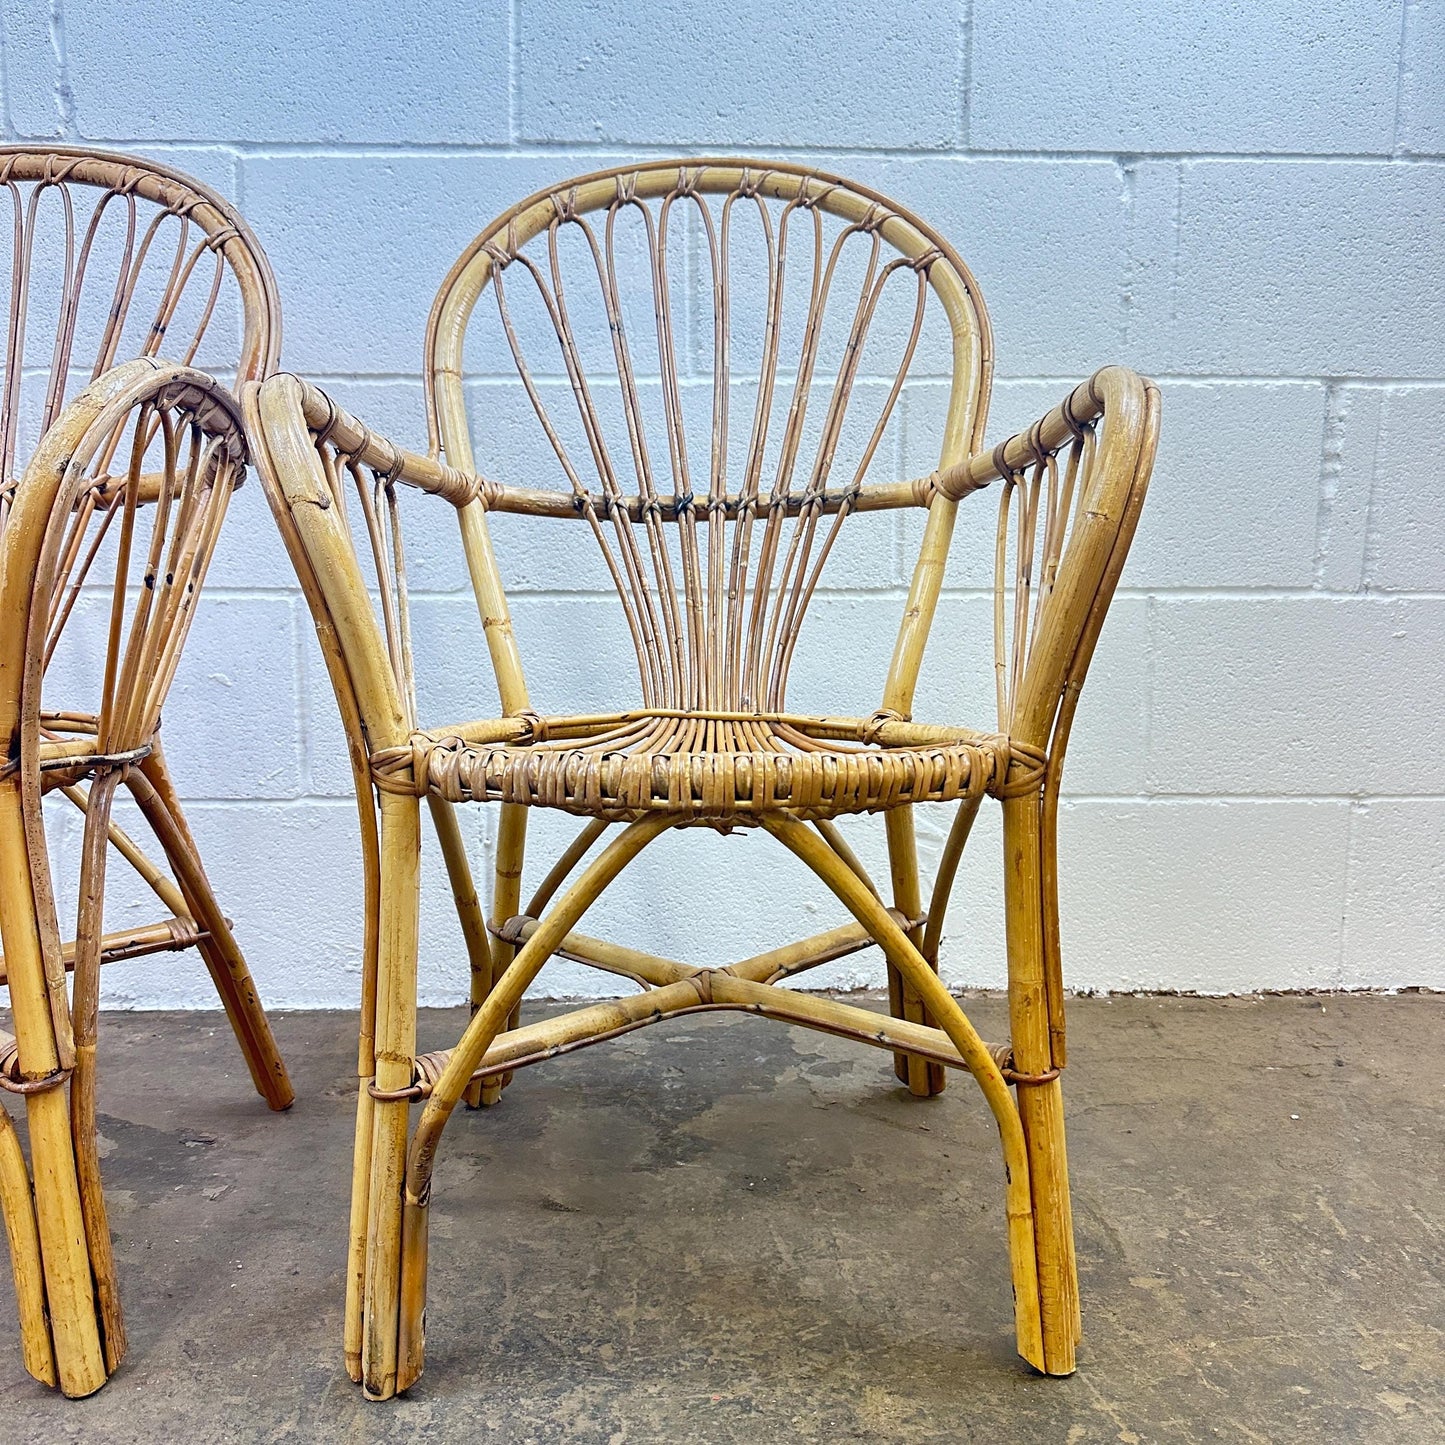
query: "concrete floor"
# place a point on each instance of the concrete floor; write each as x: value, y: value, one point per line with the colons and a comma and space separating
x: 725, y: 1230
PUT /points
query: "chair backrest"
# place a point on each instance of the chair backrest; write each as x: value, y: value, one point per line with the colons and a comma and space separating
x: 111, y: 258
x: 716, y: 553
x: 117, y: 455
x: 711, y: 356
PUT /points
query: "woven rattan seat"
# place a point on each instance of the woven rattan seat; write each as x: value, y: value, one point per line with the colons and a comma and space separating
x: 694, y: 376
x: 709, y: 768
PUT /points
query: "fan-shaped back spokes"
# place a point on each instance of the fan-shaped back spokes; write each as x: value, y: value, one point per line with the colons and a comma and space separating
x: 713, y: 354
x: 104, y: 259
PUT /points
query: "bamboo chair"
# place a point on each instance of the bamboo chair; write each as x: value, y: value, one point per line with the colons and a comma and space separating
x: 714, y: 562
x: 105, y: 537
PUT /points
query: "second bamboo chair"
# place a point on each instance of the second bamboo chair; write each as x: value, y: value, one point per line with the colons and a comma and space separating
x: 105, y: 537
x: 777, y: 313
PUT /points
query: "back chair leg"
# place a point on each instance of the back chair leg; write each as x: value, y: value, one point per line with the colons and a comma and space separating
x: 1041, y: 1105
x: 469, y: 911
x: 155, y: 794
x: 506, y: 902
x: 924, y: 1078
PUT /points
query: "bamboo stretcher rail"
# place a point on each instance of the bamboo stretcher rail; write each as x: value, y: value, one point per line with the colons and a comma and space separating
x: 704, y: 991
x: 169, y: 935
x: 650, y: 971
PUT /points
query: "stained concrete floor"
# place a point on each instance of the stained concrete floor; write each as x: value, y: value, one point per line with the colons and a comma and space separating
x: 724, y: 1230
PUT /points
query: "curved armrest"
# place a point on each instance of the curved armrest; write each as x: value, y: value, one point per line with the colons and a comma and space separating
x: 145, y: 458
x: 315, y: 461
x: 1111, y: 391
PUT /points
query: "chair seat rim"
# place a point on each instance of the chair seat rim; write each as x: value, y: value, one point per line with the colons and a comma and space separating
x: 625, y: 766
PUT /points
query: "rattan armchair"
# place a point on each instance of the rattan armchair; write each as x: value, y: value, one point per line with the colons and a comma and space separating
x: 105, y: 537
x: 778, y: 314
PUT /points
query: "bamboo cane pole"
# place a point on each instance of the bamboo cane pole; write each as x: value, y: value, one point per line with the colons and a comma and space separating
x: 395, y: 1050
x: 1040, y: 1105
x: 70, y: 1298
x: 506, y: 900
x: 85, y: 1006
x: 17, y: 1204
x: 468, y: 906
x: 954, y: 1022
x: 151, y: 787
x: 484, y: 1026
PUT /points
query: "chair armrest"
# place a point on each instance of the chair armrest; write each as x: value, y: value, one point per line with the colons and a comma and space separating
x: 1111, y: 391
x: 1073, y: 486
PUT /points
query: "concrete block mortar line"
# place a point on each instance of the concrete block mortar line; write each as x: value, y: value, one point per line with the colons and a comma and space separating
x: 1175, y: 249
x: 965, y: 72
x: 512, y: 70
x: 7, y: 119
x: 1151, y: 653
x: 1128, y: 176
x: 1407, y: 9
x: 897, y: 592
x: 539, y: 149
x: 64, y: 98
x: 1359, y: 810
x: 1371, y: 559
x: 1062, y: 380
x: 1331, y: 457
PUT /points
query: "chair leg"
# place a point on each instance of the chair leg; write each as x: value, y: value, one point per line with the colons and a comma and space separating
x: 358, y: 1235
x: 17, y: 1204
x: 156, y: 796
x: 399, y: 905
x: 924, y: 1078
x: 1041, y: 1105
x: 910, y: 963
x: 85, y: 1006
x: 469, y: 911
x: 69, y: 1291
x: 409, y: 1337
x: 506, y: 901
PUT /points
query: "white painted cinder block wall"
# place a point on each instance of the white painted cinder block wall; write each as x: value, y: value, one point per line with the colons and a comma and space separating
x: 1246, y: 202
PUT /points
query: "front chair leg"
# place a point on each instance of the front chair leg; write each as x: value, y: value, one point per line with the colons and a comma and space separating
x: 1041, y: 1105
x: 70, y: 1301
x: 408, y: 1324
x: 399, y: 904
x: 17, y: 1204
x: 871, y: 913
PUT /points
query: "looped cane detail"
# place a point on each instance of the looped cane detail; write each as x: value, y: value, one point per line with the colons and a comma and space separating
x: 1026, y: 769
